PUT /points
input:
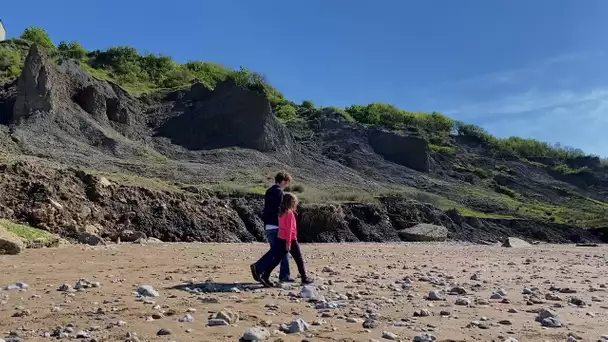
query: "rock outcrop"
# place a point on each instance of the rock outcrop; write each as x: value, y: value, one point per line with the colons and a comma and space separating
x: 409, y: 151
x: 231, y: 116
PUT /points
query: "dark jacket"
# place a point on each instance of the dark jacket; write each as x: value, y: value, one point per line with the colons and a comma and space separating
x: 272, y: 204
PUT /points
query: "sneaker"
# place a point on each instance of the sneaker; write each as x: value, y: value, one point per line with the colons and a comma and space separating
x: 266, y: 282
x: 287, y: 280
x: 254, y: 273
x: 307, y: 280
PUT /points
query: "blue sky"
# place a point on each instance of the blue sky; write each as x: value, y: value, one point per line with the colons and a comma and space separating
x: 516, y: 67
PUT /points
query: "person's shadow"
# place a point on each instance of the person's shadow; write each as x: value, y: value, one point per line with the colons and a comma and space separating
x: 213, y: 287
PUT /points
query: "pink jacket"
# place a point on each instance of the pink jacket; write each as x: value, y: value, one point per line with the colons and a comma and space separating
x: 287, y: 227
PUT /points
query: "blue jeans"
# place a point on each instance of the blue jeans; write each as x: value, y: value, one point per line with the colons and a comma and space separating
x: 273, y: 239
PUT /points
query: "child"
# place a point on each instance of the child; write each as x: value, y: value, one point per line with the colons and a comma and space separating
x: 287, y: 243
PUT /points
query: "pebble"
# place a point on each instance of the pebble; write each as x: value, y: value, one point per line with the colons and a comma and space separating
x: 186, y: 319
x: 463, y: 301
x: 17, y: 286
x: 296, y: 326
x: 424, y: 338
x: 389, y: 336
x: 216, y: 322
x: 435, y: 295
x: 147, y: 291
x: 371, y: 324
x: 163, y: 332
x: 255, y: 334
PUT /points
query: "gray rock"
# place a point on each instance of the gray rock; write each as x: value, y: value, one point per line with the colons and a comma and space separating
x: 435, y: 295
x: 186, y: 319
x: 147, y: 291
x: 309, y: 292
x: 389, y: 336
x: 255, y: 334
x: 65, y: 288
x: 228, y: 316
x: 296, y: 326
x: 424, y: 338
x: 83, y: 334
x: 163, y: 332
x: 463, y: 301
x: 90, y: 239
x: 551, y: 322
x: 577, y: 301
x: 424, y: 232
x: 422, y: 313
x: 17, y: 286
x: 458, y: 290
x: 216, y: 322
x: 496, y: 296
x: 370, y: 324
x: 514, y: 242
x: 511, y: 339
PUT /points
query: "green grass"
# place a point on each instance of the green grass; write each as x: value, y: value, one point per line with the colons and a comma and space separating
x: 31, y: 236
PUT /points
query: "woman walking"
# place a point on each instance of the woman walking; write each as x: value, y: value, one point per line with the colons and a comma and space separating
x: 287, y: 243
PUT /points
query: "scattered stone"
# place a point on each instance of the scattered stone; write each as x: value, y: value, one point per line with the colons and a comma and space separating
x: 17, y: 286
x: 296, y: 326
x: 255, y: 334
x: 147, y: 291
x: 577, y: 301
x: 424, y: 338
x: 163, y: 332
x: 186, y: 319
x: 216, y: 322
x: 370, y: 324
x: 435, y: 295
x: 463, y: 301
x: 422, y: 313
x: 389, y: 336
x: 228, y: 316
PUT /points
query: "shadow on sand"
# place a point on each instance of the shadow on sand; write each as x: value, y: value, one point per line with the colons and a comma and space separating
x: 212, y: 287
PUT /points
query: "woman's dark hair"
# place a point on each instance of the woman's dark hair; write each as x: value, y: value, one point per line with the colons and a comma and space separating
x: 289, y: 202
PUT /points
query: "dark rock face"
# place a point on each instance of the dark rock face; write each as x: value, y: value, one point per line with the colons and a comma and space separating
x: 324, y: 223
x: 412, y: 152
x: 231, y: 116
x: 46, y: 88
x: 369, y: 222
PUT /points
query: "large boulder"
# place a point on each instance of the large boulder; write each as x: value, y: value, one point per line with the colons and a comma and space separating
x: 409, y: 151
x: 424, y: 232
x: 232, y: 116
x: 10, y: 243
x: 515, y: 242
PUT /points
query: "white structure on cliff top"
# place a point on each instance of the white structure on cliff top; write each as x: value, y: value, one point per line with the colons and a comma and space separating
x: 2, y: 31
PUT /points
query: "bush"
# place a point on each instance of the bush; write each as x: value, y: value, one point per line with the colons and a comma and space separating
x: 299, y: 188
x: 72, y: 50
x: 308, y: 104
x: 11, y: 63
x: 38, y: 36
x: 505, y: 191
x: 445, y: 150
x: 286, y: 112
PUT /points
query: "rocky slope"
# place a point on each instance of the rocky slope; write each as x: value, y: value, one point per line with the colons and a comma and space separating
x: 82, y: 154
